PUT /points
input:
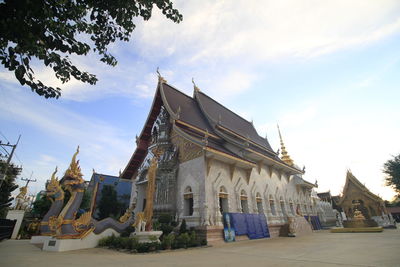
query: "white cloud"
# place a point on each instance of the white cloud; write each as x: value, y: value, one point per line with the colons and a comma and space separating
x: 266, y: 30
x: 224, y: 43
x: 103, y: 146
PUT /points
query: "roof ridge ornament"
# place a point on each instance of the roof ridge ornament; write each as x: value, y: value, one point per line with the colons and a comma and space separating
x: 160, y: 78
x: 196, y: 89
x: 285, y: 155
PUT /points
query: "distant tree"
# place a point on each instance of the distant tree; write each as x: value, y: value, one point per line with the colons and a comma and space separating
x: 51, y: 30
x: 392, y: 169
x: 7, y: 186
x: 85, y: 204
x: 108, y: 204
x: 41, y: 206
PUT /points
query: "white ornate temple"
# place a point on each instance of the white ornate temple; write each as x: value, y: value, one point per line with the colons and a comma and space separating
x: 213, y: 161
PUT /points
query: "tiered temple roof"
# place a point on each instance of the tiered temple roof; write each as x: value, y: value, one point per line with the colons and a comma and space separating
x: 205, y: 122
x: 347, y: 193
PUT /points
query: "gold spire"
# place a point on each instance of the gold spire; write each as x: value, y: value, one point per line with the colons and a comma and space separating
x: 285, y: 156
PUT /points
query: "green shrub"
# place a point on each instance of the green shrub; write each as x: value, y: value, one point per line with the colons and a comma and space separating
x: 203, y: 242
x: 125, y: 243
x: 156, y: 226
x: 182, y: 240
x: 183, y: 228
x: 166, y: 229
x: 117, y: 242
x: 167, y: 241
x: 128, y: 230
x: 103, y: 242
x: 165, y: 218
x: 193, y: 242
x: 107, y: 241
x: 134, y: 243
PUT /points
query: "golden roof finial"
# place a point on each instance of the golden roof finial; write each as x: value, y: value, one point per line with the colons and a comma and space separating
x: 196, y: 89
x: 285, y: 156
x: 160, y: 78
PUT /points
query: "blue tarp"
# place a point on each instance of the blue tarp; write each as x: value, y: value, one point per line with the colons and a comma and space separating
x: 264, y: 226
x: 254, y: 225
x: 239, y: 223
x: 315, y: 222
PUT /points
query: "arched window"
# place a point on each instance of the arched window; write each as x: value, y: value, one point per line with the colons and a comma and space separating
x: 282, y: 202
x: 188, y: 202
x: 272, y: 205
x: 259, y: 203
x: 223, y: 200
x: 243, y: 202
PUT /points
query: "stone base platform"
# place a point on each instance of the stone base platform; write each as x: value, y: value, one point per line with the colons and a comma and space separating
x: 213, y: 234
x: 90, y: 241
x: 39, y: 239
x: 301, y: 226
x: 357, y: 230
x: 148, y: 236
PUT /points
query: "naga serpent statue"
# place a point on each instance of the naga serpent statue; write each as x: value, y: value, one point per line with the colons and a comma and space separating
x: 67, y: 224
x: 55, y: 193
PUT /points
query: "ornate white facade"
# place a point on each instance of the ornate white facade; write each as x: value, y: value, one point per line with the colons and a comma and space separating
x: 213, y: 161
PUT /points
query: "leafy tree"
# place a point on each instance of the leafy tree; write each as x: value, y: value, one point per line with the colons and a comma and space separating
x: 41, y: 206
x: 85, y: 204
x: 108, y: 204
x: 7, y: 186
x: 392, y: 169
x: 50, y: 30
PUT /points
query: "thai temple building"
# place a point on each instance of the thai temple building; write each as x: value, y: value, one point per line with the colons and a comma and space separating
x: 355, y: 194
x: 210, y: 161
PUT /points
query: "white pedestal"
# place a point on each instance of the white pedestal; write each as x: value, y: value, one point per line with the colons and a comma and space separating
x: 148, y: 236
x: 16, y: 215
x: 90, y: 241
x: 39, y: 239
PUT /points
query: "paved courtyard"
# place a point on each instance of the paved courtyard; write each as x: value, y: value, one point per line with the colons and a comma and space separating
x: 319, y: 249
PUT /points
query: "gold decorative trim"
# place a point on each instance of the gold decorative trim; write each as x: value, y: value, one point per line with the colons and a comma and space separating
x: 229, y: 156
x: 277, y: 162
x: 196, y: 128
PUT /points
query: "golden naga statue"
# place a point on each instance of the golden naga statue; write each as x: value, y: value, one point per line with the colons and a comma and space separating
x: 127, y: 215
x: 53, y: 188
x: 21, y: 199
x: 73, y: 175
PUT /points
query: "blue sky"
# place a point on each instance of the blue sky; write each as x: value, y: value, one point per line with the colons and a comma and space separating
x: 327, y: 71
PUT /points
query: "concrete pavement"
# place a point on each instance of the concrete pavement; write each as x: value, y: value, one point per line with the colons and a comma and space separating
x: 322, y: 248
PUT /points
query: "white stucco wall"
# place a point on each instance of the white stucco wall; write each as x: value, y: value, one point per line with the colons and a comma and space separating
x: 191, y: 174
x: 278, y: 185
